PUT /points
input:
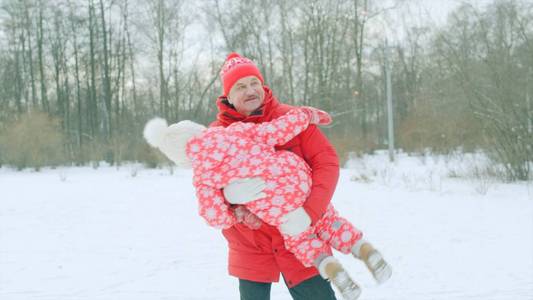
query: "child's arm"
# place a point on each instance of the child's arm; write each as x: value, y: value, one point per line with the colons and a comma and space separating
x: 283, y: 129
x: 213, y: 208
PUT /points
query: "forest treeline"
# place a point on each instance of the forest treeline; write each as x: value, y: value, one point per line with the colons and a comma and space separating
x: 79, y: 78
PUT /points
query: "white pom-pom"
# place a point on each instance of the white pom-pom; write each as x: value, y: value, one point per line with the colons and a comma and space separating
x: 154, y: 131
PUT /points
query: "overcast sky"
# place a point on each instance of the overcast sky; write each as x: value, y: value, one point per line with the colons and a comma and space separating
x: 415, y: 12
x: 439, y: 9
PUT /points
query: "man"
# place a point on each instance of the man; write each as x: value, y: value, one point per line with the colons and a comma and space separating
x: 256, y: 250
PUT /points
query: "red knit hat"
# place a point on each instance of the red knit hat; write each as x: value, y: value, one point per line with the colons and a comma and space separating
x: 236, y: 67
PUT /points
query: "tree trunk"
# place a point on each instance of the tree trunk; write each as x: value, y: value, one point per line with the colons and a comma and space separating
x: 92, y: 90
x: 44, y: 93
x: 108, y: 126
x: 30, y: 54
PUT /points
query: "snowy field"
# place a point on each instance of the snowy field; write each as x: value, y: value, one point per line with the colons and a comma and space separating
x: 133, y: 233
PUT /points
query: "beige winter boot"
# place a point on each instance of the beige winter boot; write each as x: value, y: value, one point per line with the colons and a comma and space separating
x: 332, y: 270
x: 380, y: 269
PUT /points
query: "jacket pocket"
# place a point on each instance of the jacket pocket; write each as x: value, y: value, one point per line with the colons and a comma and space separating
x: 240, y: 238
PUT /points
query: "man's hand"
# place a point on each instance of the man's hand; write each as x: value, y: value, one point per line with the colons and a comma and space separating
x: 242, y: 191
x: 317, y: 116
x: 295, y: 222
x: 246, y: 217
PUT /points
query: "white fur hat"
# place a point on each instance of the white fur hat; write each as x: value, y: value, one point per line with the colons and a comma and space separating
x: 172, y: 140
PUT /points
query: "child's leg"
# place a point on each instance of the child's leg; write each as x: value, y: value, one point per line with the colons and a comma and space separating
x: 330, y: 268
x: 379, y: 268
x: 311, y: 251
x: 307, y: 247
x: 337, y: 232
x: 340, y: 234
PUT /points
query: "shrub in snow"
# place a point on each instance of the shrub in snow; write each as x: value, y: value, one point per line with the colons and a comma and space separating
x: 34, y: 140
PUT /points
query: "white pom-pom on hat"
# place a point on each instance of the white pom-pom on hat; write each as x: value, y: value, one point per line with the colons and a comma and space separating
x: 154, y: 131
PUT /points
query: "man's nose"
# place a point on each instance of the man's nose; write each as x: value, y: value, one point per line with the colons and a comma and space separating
x: 250, y: 90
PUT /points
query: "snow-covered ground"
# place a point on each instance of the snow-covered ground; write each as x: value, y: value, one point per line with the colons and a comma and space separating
x: 133, y: 233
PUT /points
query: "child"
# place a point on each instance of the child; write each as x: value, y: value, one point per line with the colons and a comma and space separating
x: 220, y: 155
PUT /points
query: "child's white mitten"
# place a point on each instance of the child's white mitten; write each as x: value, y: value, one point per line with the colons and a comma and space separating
x: 295, y: 222
x: 242, y: 191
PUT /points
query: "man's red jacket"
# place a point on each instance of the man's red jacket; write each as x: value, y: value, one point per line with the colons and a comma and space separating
x: 259, y: 255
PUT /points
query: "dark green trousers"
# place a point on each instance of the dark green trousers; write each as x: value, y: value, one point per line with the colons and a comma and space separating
x: 314, y: 288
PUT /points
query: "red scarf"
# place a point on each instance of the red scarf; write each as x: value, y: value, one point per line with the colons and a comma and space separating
x: 227, y: 113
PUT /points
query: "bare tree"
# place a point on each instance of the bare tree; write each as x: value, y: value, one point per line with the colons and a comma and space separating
x: 485, y: 56
x: 40, y: 40
x: 106, y: 80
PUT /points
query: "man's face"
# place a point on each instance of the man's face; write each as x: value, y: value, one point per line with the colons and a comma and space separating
x: 247, y: 95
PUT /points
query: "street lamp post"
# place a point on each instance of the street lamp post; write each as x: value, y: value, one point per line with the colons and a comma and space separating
x: 390, y: 119
x: 528, y: 115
